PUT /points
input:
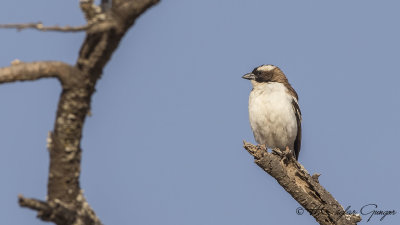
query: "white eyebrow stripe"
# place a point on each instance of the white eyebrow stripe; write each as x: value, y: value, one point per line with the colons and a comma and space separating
x: 266, y: 67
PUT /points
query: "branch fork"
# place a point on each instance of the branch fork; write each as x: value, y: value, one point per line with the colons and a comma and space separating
x: 65, y: 203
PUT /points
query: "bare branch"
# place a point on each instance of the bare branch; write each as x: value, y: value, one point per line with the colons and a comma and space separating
x: 65, y: 203
x: 59, y: 212
x: 305, y: 189
x: 32, y: 203
x: 20, y: 71
x: 39, y: 26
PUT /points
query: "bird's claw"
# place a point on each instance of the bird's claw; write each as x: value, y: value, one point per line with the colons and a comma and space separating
x: 288, y: 153
x: 284, y: 154
x: 277, y: 151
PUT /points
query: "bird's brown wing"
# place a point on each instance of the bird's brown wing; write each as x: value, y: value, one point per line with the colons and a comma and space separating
x: 297, y: 142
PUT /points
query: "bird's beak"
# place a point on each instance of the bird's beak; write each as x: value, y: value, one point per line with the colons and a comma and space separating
x: 249, y: 76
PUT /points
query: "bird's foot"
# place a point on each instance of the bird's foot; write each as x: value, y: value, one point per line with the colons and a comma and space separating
x: 277, y: 151
x: 288, y: 153
x: 285, y: 154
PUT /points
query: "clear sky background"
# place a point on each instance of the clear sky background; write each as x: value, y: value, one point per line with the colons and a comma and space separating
x: 164, y: 144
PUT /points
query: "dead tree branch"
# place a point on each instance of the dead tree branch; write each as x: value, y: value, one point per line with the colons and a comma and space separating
x: 39, y: 26
x: 65, y: 203
x: 56, y: 211
x: 19, y: 71
x: 305, y: 189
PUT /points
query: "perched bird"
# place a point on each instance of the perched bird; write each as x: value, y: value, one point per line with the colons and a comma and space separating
x: 274, y: 112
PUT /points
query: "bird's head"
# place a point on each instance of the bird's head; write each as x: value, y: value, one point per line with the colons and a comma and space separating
x: 266, y: 73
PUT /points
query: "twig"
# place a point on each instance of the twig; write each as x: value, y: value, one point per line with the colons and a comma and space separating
x: 39, y: 26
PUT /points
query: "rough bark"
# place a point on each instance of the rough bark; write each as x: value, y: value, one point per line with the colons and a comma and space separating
x: 305, y: 189
x: 65, y: 203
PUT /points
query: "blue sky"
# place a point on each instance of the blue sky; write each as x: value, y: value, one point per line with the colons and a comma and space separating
x: 164, y: 143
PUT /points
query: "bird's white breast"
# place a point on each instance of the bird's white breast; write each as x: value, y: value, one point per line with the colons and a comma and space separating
x: 272, y: 117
